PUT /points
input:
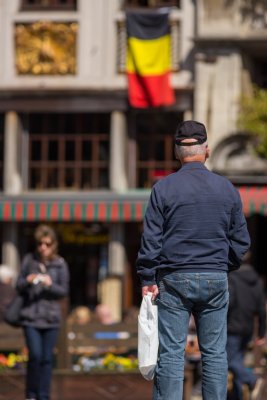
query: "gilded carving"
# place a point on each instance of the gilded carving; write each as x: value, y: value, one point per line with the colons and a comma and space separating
x: 46, y: 48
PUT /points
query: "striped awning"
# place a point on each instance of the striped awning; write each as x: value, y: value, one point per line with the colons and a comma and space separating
x: 69, y: 211
x: 103, y: 208
x: 254, y: 199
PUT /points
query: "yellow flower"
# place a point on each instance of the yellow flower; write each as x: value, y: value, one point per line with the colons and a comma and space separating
x: 11, y: 360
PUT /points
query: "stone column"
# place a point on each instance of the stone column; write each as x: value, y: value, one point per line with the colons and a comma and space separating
x: 12, y: 186
x: 116, y: 249
x: 111, y: 288
x: 12, y: 175
x: 118, y: 174
x: 10, y: 254
x: 217, y: 92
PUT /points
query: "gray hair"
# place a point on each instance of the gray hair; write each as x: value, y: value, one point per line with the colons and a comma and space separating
x: 190, y: 151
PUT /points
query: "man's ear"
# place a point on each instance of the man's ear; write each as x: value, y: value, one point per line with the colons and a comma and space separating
x: 207, y: 152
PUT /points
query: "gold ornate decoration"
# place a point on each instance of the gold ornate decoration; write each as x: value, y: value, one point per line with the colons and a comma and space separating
x: 46, y: 48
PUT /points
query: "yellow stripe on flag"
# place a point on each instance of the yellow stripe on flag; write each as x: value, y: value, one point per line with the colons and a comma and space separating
x: 149, y: 57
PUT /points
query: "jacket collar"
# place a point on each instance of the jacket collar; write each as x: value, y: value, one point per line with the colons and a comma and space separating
x: 193, y: 165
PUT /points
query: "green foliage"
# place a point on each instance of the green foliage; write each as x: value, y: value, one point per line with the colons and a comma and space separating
x: 253, y: 118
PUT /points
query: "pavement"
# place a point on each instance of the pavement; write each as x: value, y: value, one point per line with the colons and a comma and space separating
x: 84, y: 387
x: 262, y: 394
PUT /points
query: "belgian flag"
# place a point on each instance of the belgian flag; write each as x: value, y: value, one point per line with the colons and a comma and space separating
x: 148, y: 63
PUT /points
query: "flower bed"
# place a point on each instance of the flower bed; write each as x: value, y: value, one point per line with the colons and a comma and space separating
x: 12, y: 361
x: 107, y: 362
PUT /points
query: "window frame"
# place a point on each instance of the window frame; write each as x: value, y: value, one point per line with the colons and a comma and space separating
x: 151, y: 4
x: 73, y: 149
x: 54, y: 6
x: 154, y: 154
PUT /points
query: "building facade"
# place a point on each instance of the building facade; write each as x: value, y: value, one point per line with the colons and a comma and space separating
x: 75, y: 155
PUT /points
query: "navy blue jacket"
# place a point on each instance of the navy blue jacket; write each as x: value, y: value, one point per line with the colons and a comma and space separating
x: 194, y: 222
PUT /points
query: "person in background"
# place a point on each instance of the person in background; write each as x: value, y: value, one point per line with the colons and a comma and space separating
x: 43, y: 280
x: 247, y: 302
x: 7, y: 291
x: 80, y: 315
x: 103, y: 314
x: 194, y: 232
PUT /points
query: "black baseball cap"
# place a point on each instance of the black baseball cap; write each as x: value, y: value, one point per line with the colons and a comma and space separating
x: 190, y: 130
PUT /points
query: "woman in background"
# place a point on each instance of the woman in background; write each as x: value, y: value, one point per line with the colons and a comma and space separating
x: 43, y: 280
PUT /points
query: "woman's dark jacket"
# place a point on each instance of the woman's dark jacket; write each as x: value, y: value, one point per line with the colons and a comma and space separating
x: 41, y: 308
x: 246, y: 301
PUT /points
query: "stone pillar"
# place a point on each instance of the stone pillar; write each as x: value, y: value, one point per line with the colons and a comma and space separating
x: 12, y: 175
x: 10, y: 254
x: 12, y: 186
x: 217, y: 92
x: 116, y: 249
x: 110, y: 290
x: 118, y: 174
x: 203, y: 89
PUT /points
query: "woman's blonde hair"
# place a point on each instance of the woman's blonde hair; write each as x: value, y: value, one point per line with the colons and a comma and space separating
x: 45, y: 231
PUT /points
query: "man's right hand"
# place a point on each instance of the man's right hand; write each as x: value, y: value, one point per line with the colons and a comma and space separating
x: 153, y: 289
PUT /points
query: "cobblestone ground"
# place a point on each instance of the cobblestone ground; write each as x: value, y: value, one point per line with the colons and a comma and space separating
x: 82, y: 388
x: 262, y: 396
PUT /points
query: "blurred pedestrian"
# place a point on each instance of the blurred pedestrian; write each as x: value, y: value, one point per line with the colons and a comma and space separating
x: 43, y: 280
x: 247, y: 302
x: 80, y: 315
x: 194, y: 232
x: 103, y: 314
x: 7, y: 291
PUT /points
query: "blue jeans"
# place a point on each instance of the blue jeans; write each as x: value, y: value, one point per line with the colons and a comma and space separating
x: 40, y: 343
x: 206, y: 296
x: 236, y: 347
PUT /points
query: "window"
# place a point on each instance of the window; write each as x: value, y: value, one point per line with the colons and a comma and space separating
x: 152, y: 3
x: 68, y: 151
x: 155, y: 147
x: 33, y: 5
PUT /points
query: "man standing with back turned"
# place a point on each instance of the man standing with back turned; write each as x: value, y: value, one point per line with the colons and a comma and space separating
x: 194, y: 234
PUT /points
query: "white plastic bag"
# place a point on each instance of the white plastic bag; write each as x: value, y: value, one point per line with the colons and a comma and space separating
x: 148, y: 341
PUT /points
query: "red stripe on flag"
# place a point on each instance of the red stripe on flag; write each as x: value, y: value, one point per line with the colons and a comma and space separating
x: 150, y: 91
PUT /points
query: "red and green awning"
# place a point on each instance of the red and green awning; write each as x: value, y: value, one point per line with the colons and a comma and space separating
x: 254, y: 199
x: 72, y: 211
x: 119, y: 209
